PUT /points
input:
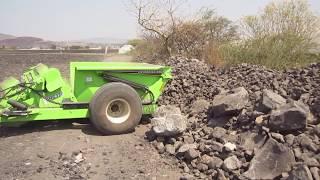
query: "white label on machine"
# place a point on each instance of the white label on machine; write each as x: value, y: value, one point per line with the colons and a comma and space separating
x: 89, y: 79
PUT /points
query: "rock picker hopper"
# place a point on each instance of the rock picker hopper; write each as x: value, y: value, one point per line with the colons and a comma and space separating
x: 114, y: 95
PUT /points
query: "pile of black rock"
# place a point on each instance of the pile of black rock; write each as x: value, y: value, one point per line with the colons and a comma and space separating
x: 240, y: 122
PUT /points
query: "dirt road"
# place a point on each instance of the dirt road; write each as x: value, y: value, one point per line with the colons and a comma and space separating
x: 34, y: 152
x: 72, y: 150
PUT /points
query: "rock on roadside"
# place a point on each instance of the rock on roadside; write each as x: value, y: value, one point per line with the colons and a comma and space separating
x: 300, y: 171
x: 231, y: 163
x: 231, y: 102
x: 270, y: 161
x: 168, y: 121
x: 270, y: 101
x: 291, y: 116
x: 199, y: 105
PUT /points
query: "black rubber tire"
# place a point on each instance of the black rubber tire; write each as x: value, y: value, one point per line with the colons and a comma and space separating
x: 103, y: 97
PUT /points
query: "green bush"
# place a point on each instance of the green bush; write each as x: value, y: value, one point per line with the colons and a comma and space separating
x: 274, y: 52
x: 281, y: 36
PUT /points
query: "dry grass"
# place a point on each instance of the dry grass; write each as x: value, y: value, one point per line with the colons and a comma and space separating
x: 211, y: 54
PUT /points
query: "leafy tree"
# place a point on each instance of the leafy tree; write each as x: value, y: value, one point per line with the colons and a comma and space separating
x: 282, y: 35
x: 201, y: 37
x: 218, y: 28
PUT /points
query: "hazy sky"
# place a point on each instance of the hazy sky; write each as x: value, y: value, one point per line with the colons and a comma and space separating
x: 81, y: 19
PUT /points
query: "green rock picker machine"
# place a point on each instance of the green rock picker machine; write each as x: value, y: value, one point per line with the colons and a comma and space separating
x: 114, y: 95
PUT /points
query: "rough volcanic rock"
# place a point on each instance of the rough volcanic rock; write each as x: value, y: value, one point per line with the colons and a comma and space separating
x: 291, y: 116
x: 289, y: 138
x: 218, y: 132
x: 168, y: 121
x: 270, y: 101
x: 160, y: 147
x: 278, y: 137
x: 199, y: 106
x: 306, y: 142
x: 184, y: 148
x: 191, y: 154
x: 215, y: 163
x: 270, y: 161
x: 216, y: 146
x: 316, y: 130
x: 205, y: 159
x: 230, y: 102
x: 202, y: 167
x: 219, y: 121
x: 231, y: 163
x: 193, y: 79
x: 188, y: 139
x: 252, y: 140
x: 300, y: 171
x: 315, y: 173
x: 170, y: 149
x: 164, y: 111
x: 238, y: 119
x: 229, y: 146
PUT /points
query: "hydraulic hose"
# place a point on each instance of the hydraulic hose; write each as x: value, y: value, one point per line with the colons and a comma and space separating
x: 132, y: 84
x: 17, y: 105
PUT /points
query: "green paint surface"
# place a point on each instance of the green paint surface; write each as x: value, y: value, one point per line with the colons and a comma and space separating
x: 43, y: 89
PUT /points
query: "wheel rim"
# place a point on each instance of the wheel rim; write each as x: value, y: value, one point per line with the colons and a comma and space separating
x: 118, y: 111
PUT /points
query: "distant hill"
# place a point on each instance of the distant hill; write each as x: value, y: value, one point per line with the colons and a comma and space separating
x: 5, y: 36
x: 28, y: 42
x: 25, y: 42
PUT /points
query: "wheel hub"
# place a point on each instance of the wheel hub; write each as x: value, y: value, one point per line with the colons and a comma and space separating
x: 118, y: 111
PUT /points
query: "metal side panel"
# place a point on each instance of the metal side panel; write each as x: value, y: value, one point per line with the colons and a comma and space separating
x: 88, y: 77
x: 114, y: 66
x: 39, y: 114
